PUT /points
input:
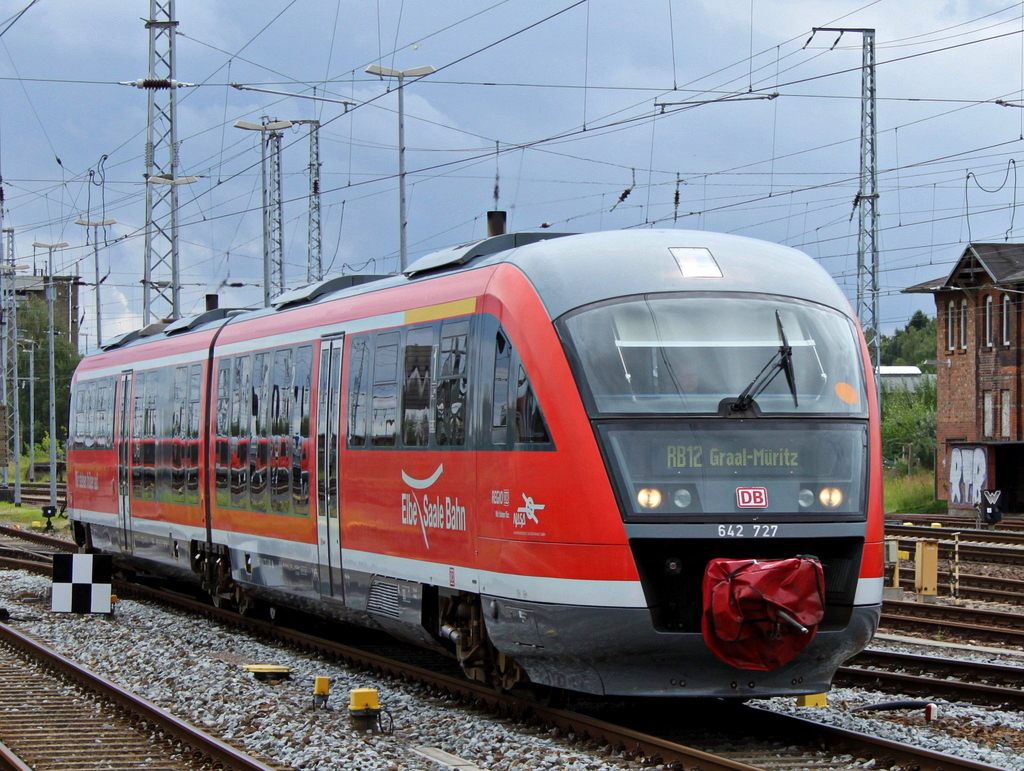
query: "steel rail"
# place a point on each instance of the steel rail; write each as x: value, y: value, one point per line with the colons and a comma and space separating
x: 618, y: 737
x: 999, y: 683
x: 200, y: 742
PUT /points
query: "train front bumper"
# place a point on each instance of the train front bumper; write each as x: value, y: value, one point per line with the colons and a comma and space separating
x: 617, y: 651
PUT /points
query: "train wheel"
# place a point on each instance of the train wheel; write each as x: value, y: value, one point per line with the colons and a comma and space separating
x: 544, y: 695
x: 221, y: 602
x: 246, y: 603
x: 276, y: 614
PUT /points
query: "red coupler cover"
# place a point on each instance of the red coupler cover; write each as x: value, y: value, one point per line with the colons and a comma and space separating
x: 760, y: 614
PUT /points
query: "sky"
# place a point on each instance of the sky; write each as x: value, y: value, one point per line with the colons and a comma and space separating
x: 578, y: 115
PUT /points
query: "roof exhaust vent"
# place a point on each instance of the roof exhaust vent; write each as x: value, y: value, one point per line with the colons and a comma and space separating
x: 496, y: 223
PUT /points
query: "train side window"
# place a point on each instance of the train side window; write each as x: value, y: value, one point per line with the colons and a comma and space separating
x: 137, y: 434
x: 179, y: 405
x: 90, y: 415
x: 105, y: 413
x: 529, y: 422
x: 259, y: 450
x: 419, y: 355
x: 82, y: 437
x: 192, y: 435
x: 222, y: 449
x: 241, y: 420
x: 159, y: 385
x: 302, y: 390
x: 281, y: 443
x: 144, y: 436
x: 450, y: 400
x: 499, y: 402
x: 358, y: 390
x: 385, y: 390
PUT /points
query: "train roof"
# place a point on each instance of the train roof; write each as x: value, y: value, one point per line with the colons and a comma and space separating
x: 572, y: 270
x: 578, y: 270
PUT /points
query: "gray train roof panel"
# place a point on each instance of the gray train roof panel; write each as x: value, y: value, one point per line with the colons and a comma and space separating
x: 573, y: 271
x: 465, y: 253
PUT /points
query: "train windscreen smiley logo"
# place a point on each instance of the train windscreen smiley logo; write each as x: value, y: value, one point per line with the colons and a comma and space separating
x: 752, y: 497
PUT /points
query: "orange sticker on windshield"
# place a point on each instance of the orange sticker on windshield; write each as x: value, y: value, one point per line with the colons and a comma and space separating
x: 847, y: 393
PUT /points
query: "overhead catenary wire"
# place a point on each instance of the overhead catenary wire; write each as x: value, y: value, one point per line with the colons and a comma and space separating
x: 709, y: 176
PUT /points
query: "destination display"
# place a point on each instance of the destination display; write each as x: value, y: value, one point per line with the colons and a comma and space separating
x: 721, y: 466
x: 697, y: 456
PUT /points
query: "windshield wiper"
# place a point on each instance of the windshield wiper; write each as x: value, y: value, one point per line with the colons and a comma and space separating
x: 781, y: 360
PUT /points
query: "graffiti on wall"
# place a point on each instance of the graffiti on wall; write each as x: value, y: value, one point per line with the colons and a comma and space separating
x: 968, y: 475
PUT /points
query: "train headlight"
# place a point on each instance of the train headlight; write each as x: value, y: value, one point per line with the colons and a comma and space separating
x: 649, y: 498
x: 805, y: 498
x: 682, y: 498
x: 831, y: 497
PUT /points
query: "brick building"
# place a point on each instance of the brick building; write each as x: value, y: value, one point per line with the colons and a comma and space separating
x: 980, y: 432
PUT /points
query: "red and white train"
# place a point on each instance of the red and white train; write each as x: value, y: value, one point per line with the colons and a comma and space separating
x: 564, y: 459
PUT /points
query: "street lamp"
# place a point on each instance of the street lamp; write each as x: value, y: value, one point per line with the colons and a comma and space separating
x: 95, y: 225
x: 387, y: 72
x: 53, y: 370
x: 32, y: 413
x: 270, y: 130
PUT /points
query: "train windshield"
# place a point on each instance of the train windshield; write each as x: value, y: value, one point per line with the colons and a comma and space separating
x: 672, y: 354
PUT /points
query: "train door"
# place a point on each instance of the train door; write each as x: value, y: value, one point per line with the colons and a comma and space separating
x: 328, y: 438
x: 124, y: 457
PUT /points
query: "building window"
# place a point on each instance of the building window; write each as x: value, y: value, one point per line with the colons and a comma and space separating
x: 988, y: 412
x: 1004, y: 403
x: 1006, y: 319
x: 950, y: 326
x: 963, y: 324
x: 988, y: 321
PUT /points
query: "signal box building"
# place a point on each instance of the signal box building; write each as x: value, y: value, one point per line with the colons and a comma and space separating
x: 980, y: 435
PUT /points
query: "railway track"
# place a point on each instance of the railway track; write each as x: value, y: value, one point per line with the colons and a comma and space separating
x: 37, y: 494
x: 930, y: 677
x: 953, y: 521
x: 953, y: 622
x: 974, y: 587
x: 785, y: 742
x: 42, y: 694
x: 30, y: 550
x: 966, y: 536
x: 976, y: 551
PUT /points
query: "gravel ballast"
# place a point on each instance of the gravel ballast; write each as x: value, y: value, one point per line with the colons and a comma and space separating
x: 194, y: 668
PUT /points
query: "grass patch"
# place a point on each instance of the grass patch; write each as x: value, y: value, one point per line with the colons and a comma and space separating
x: 25, y: 516
x: 914, y: 494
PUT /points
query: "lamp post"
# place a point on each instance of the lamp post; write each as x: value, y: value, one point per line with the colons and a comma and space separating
x: 53, y: 370
x: 387, y: 72
x: 31, y: 472
x: 96, y: 225
x: 271, y: 200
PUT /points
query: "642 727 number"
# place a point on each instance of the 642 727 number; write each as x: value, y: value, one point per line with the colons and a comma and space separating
x: 748, y: 531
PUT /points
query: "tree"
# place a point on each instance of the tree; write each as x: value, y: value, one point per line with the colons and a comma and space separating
x: 908, y: 416
x: 908, y: 423
x: 912, y: 345
x: 33, y: 323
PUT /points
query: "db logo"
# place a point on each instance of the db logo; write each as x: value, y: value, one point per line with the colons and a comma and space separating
x: 752, y: 497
